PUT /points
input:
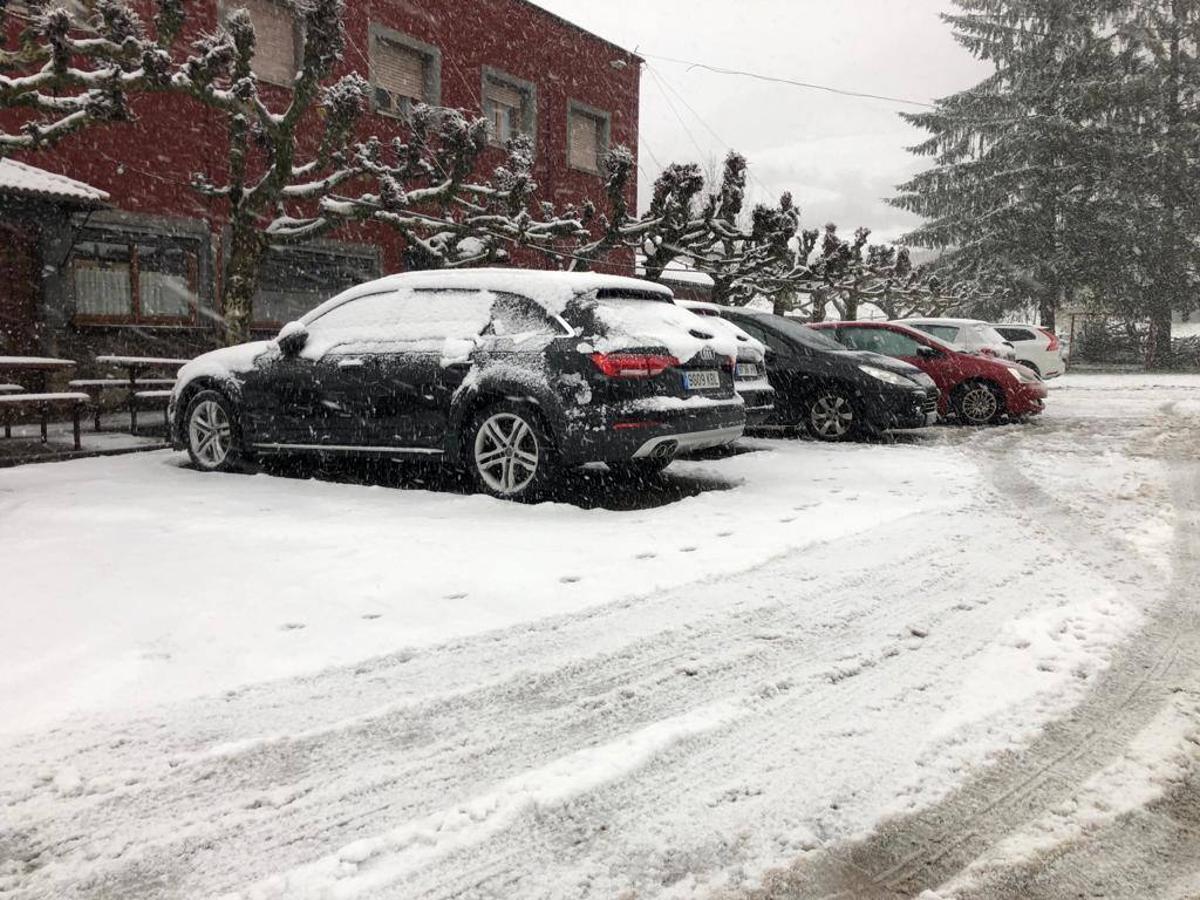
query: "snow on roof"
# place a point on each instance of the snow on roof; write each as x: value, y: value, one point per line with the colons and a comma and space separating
x: 21, y: 178
x: 553, y: 290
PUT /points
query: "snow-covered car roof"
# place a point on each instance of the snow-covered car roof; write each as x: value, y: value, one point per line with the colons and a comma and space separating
x: 711, y: 313
x: 552, y: 290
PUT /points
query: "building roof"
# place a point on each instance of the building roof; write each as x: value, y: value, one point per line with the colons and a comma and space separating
x: 29, y: 181
x: 563, y: 21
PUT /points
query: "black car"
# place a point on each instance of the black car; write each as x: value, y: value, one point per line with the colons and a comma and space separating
x: 835, y: 393
x: 512, y: 374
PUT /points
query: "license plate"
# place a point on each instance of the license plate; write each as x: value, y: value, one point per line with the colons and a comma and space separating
x: 705, y: 379
x: 747, y: 370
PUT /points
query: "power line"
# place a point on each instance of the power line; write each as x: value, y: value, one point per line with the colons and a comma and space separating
x: 720, y: 70
x: 671, y: 106
x: 662, y: 80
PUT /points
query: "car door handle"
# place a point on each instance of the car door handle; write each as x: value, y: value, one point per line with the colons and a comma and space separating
x: 350, y: 363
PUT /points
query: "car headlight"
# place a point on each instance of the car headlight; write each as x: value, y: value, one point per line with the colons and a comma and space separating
x: 889, y: 377
x: 1025, y: 376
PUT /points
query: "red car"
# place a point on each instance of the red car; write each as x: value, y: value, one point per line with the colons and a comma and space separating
x: 976, y: 389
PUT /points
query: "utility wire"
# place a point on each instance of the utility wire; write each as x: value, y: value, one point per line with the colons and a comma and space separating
x: 720, y: 70
x: 663, y: 80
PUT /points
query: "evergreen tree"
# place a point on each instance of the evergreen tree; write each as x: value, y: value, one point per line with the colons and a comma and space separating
x: 1154, y: 181
x: 1018, y: 162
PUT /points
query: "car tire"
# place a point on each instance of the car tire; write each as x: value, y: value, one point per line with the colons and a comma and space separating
x: 642, y: 467
x: 832, y: 415
x: 212, y: 434
x: 508, y: 452
x: 978, y: 403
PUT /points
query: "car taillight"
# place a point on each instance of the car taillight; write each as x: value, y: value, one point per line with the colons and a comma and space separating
x: 633, y: 365
x: 1053, y: 345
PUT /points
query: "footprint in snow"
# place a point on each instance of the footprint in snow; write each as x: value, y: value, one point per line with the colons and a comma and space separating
x: 569, y: 579
x: 291, y: 626
x: 459, y: 596
x: 646, y: 555
x: 686, y: 549
x: 788, y: 519
x: 724, y: 533
x: 371, y: 615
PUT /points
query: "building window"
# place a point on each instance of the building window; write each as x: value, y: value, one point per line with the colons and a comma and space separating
x: 294, y: 280
x: 143, y: 279
x: 587, y: 137
x: 509, y: 104
x: 277, y: 39
x: 404, y: 72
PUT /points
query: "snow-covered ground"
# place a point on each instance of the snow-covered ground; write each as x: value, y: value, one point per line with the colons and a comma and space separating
x: 259, y: 686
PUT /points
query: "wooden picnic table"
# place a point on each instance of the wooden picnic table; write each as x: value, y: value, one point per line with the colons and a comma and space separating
x: 42, y: 366
x: 135, y: 366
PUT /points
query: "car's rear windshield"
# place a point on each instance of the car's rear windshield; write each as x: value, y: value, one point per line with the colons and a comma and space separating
x: 989, y: 335
x: 948, y: 333
x: 801, y: 333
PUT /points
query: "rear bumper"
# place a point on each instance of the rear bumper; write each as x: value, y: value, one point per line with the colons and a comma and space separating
x: 760, y: 403
x: 617, y: 433
x: 670, y: 444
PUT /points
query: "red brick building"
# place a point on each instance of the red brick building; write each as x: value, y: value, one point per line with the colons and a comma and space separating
x: 143, y: 273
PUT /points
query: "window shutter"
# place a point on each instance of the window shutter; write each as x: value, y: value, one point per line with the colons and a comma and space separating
x: 505, y: 95
x: 399, y: 70
x: 275, y: 41
x: 583, y: 146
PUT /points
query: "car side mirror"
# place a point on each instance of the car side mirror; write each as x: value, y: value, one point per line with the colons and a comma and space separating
x: 928, y: 352
x: 292, y: 338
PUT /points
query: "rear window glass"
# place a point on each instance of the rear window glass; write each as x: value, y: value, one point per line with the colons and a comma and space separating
x: 797, y: 331
x: 948, y: 333
x: 986, y: 334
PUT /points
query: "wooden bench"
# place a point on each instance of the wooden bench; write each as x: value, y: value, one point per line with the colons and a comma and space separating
x: 149, y: 398
x: 97, y: 387
x: 11, y: 403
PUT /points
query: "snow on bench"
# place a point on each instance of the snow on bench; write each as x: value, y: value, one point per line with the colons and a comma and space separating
x: 42, y: 403
x: 11, y: 389
x: 104, y: 383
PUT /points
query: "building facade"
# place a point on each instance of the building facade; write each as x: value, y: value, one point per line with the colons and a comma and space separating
x: 141, y: 272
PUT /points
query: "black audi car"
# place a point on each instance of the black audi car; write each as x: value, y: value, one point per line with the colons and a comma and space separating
x: 834, y: 393
x: 511, y: 374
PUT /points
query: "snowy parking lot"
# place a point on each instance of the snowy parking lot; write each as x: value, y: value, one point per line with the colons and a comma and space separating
x: 794, y: 670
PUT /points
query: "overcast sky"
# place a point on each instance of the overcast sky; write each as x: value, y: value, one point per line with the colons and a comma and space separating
x: 838, y: 155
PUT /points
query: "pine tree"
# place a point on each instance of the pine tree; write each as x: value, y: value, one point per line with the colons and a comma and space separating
x: 1154, y: 182
x: 1017, y: 161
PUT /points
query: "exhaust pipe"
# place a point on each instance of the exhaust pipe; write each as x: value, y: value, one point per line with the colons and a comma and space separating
x: 665, y: 450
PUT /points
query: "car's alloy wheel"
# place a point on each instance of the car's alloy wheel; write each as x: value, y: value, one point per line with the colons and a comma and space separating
x: 978, y: 404
x: 507, y: 453
x: 831, y: 417
x: 211, y: 432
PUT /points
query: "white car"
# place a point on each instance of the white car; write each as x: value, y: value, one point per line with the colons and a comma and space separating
x: 750, y: 376
x: 972, y: 335
x: 1038, y: 348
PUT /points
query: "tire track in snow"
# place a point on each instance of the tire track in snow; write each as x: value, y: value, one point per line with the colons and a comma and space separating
x: 261, y: 761
x: 906, y: 856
